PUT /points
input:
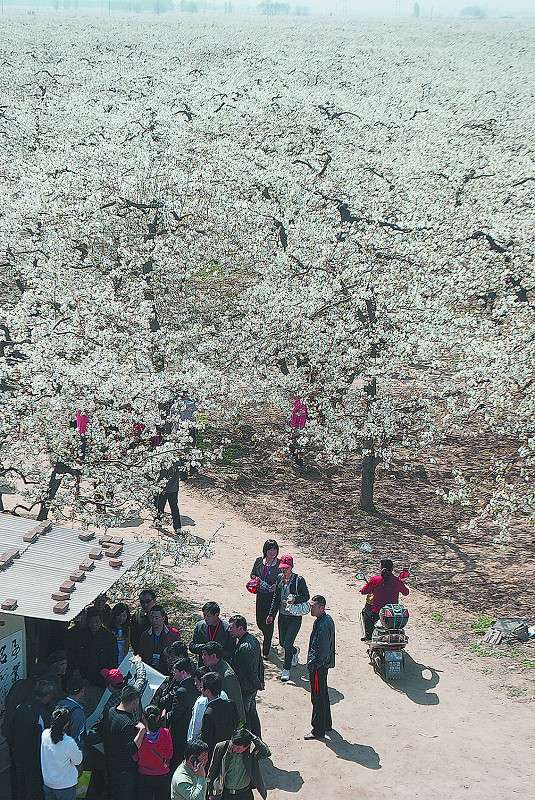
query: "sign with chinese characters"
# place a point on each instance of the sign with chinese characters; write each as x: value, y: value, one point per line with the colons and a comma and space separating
x: 12, y: 666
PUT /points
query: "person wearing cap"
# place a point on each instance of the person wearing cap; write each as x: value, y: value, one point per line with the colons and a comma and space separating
x: 116, y: 681
x: 249, y: 668
x: 212, y: 657
x: 76, y: 689
x: 291, y: 589
x: 156, y: 639
x: 235, y: 769
x: 212, y: 629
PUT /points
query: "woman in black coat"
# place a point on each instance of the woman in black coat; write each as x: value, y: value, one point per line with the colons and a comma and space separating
x: 266, y: 569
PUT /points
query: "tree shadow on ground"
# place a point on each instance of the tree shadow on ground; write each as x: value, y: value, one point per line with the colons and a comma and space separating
x: 362, y: 754
x: 276, y: 778
x: 130, y: 522
x: 416, y: 685
x: 203, y: 482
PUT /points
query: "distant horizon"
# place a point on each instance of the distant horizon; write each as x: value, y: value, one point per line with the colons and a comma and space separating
x: 399, y: 9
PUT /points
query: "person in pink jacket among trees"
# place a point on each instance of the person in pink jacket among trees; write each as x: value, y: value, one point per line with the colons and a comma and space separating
x: 298, y: 420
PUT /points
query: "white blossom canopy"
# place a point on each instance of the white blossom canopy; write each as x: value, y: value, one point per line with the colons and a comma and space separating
x: 259, y: 208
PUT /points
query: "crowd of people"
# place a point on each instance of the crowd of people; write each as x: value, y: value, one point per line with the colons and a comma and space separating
x: 199, y: 736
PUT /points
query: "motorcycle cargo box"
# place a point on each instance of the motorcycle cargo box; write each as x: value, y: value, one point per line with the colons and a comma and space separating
x: 393, y: 617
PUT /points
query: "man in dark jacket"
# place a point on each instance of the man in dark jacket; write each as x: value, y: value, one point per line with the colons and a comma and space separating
x: 321, y: 657
x: 154, y: 642
x: 220, y: 719
x: 211, y: 656
x: 178, y: 702
x: 95, y: 649
x: 30, y: 719
x: 140, y: 618
x: 249, y: 669
x: 212, y: 629
x: 235, y: 770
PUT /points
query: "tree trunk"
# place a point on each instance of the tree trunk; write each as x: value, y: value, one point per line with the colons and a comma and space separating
x: 369, y: 464
x: 54, y: 483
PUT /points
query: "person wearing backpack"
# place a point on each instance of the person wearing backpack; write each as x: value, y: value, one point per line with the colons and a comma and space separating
x: 290, y: 599
x: 154, y: 758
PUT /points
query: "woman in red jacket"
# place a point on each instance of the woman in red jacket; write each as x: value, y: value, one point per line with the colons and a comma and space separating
x: 384, y: 588
x: 153, y: 758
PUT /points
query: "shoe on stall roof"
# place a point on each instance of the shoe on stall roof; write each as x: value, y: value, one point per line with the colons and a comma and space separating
x: 310, y: 736
x: 295, y: 657
x: 285, y: 675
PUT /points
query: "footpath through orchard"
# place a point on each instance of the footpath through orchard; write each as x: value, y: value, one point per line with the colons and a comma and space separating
x: 441, y: 734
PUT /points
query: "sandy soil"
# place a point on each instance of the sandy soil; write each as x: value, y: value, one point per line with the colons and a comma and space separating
x: 443, y: 732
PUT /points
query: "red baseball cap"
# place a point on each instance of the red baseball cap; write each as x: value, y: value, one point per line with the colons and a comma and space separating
x: 113, y: 676
x: 286, y: 561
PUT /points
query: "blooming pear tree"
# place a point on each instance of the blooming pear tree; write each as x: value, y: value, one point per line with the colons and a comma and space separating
x: 195, y: 205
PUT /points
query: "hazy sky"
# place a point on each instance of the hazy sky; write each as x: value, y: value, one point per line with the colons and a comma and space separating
x: 368, y: 8
x: 494, y: 7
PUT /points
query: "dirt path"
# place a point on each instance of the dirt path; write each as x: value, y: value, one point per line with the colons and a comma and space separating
x: 443, y: 734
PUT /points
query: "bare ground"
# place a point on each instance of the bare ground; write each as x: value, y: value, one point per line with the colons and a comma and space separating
x: 318, y: 508
x: 442, y: 732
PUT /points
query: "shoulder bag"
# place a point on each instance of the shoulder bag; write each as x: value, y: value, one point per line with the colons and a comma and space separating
x: 298, y: 609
